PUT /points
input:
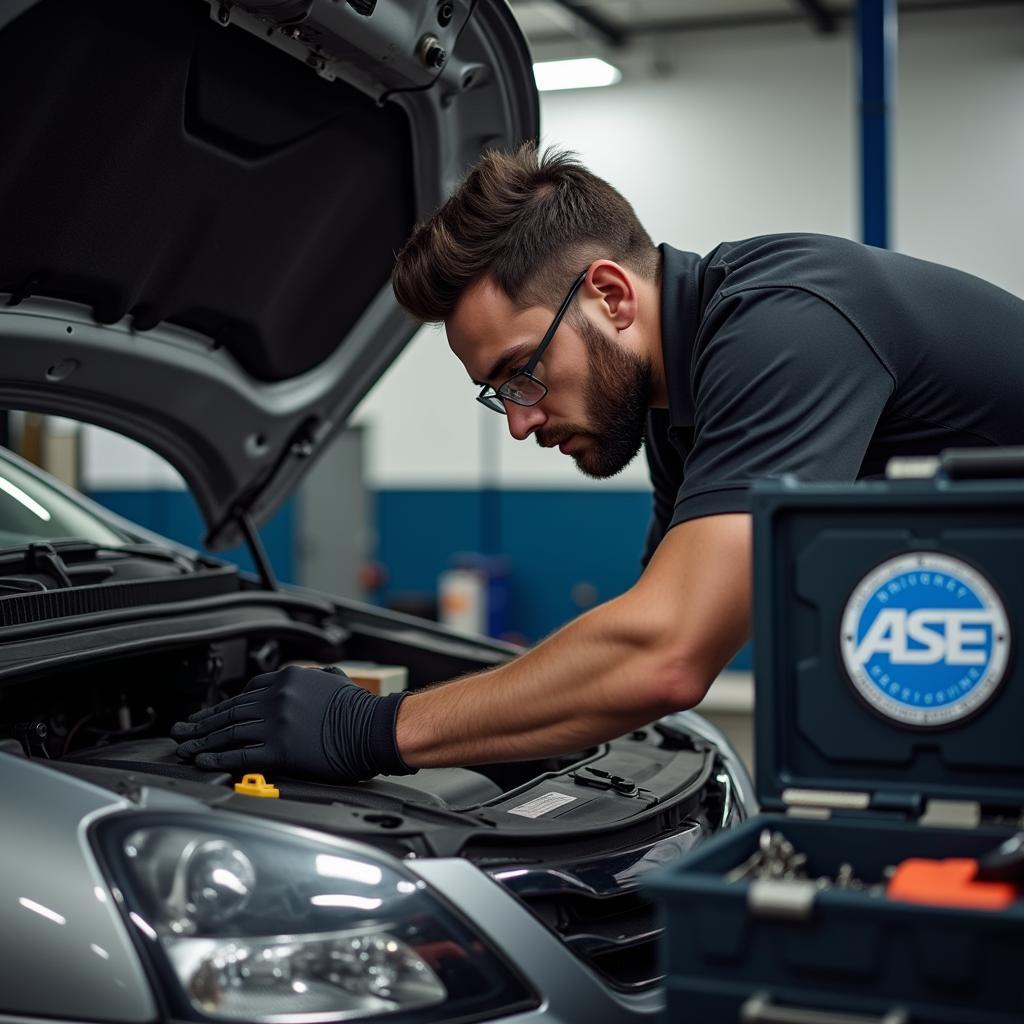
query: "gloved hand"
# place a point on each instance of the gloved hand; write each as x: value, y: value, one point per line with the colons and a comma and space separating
x: 303, y: 722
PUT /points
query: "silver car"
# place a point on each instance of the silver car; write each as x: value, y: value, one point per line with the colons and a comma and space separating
x: 200, y: 204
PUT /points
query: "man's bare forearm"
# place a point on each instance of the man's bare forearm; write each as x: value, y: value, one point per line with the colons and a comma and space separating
x: 655, y: 649
x: 601, y: 675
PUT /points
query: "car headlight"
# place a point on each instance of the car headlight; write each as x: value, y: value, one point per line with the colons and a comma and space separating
x: 269, y: 923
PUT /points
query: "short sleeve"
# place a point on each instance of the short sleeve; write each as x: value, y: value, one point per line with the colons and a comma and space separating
x: 665, y: 466
x: 783, y: 383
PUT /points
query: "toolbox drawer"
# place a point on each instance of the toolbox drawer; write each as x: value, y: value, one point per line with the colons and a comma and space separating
x: 849, y: 949
x: 718, y: 1003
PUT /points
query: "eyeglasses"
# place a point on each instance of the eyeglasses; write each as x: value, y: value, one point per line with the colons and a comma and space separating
x: 522, y: 387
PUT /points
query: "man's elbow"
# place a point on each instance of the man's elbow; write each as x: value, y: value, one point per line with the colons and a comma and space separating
x: 680, y: 682
x: 679, y: 652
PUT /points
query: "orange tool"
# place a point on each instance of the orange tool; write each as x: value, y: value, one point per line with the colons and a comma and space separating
x: 948, y: 883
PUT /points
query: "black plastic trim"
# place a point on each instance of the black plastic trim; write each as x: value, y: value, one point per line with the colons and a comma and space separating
x: 31, y: 657
x: 24, y: 609
x: 164, y: 610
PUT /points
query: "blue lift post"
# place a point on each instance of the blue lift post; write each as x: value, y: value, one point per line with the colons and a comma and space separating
x: 876, y: 34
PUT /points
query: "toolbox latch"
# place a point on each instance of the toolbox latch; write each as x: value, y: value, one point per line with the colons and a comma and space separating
x: 952, y: 814
x: 759, y: 1009
x: 820, y: 803
x: 787, y: 900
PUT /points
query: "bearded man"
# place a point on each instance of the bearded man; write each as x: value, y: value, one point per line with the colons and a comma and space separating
x: 785, y: 354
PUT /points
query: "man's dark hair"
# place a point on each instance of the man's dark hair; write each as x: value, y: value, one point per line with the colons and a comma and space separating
x: 532, y: 222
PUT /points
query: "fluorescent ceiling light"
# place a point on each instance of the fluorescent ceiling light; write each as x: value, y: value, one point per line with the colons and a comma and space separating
x: 19, y: 495
x: 341, y: 899
x: 38, y: 908
x: 583, y: 73
x: 351, y: 870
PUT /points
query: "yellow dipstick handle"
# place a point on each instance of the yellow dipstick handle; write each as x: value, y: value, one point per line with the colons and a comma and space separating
x: 256, y: 785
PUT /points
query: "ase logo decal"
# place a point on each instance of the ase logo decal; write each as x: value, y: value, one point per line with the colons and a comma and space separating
x: 925, y: 639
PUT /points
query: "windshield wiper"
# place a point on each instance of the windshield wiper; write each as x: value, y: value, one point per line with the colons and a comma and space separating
x: 67, y: 559
x: 62, y: 543
x: 20, y: 585
x: 43, y: 559
x: 147, y: 550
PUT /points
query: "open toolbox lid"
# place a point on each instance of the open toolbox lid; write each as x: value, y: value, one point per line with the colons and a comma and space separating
x: 887, y: 636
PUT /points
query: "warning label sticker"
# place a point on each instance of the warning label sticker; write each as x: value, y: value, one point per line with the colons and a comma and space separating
x: 541, y: 805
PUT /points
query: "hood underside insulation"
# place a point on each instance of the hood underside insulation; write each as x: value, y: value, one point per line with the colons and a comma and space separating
x: 162, y: 167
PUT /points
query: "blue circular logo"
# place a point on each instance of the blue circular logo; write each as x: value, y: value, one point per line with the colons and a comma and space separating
x: 925, y: 639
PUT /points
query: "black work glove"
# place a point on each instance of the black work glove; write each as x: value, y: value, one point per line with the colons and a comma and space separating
x: 303, y: 722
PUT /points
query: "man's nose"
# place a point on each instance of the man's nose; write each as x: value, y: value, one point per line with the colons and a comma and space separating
x: 523, y: 420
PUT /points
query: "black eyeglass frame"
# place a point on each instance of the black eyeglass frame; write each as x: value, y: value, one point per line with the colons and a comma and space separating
x: 495, y: 400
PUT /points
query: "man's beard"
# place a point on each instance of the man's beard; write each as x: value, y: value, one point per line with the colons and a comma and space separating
x: 617, y: 395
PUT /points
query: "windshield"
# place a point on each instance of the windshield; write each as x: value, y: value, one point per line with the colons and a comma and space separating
x: 33, y: 510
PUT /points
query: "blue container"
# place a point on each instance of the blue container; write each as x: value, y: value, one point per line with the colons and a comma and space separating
x: 887, y: 674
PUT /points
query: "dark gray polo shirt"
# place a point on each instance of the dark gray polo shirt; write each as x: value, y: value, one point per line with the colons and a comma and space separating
x: 823, y: 358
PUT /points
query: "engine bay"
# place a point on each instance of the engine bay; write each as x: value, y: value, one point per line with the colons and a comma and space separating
x: 110, y: 722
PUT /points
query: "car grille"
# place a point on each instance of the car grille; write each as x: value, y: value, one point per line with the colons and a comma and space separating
x: 616, y: 935
x: 595, y: 909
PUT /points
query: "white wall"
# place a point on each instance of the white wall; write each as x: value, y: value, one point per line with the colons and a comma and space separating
x: 110, y: 462
x: 739, y: 132
x: 959, y: 168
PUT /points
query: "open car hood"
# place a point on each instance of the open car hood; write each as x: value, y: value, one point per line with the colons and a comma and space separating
x: 200, y: 206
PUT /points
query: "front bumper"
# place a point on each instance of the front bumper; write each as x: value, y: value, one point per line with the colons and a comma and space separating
x: 570, y: 992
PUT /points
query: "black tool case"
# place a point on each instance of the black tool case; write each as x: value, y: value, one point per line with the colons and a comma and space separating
x: 933, y: 768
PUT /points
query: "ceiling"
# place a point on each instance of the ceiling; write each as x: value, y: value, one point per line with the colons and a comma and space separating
x: 618, y: 23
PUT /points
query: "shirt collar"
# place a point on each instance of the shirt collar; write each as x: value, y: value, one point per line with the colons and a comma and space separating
x: 681, y: 274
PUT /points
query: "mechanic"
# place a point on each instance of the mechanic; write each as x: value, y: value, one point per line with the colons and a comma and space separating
x: 800, y: 354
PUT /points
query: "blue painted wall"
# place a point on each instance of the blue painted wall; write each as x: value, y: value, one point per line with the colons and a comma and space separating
x: 550, y: 540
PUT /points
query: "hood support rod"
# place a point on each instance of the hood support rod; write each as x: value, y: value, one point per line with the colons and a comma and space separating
x: 258, y: 552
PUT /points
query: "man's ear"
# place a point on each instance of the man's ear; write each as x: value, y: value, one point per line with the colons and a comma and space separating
x: 612, y: 285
